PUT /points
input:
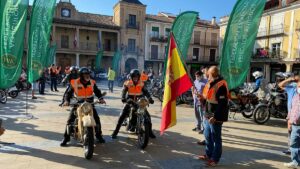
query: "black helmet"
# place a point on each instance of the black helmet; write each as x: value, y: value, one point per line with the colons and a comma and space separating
x: 135, y: 73
x: 73, y: 68
x: 84, y: 70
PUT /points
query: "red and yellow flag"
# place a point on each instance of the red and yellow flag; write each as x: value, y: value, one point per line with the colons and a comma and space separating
x: 177, y: 82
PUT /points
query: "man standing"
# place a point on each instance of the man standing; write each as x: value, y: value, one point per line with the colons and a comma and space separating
x: 293, y: 92
x: 111, y: 78
x: 53, y: 75
x: 216, y: 95
x: 42, y: 82
x: 197, y: 89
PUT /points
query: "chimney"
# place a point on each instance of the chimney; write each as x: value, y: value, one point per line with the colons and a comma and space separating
x: 214, y: 21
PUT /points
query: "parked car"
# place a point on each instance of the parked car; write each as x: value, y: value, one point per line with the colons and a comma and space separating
x: 101, y: 74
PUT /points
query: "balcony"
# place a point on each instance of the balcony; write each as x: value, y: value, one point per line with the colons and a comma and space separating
x: 65, y: 45
x: 154, y: 56
x: 161, y: 39
x: 276, y: 30
x: 135, y: 51
x: 132, y: 26
x: 91, y: 46
x: 109, y: 48
x: 269, y: 55
x: 208, y: 43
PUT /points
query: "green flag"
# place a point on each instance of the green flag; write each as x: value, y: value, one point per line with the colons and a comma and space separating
x: 13, y: 15
x: 39, y: 36
x: 116, y: 60
x: 99, y: 59
x: 239, y: 41
x: 51, y: 55
x: 183, y: 28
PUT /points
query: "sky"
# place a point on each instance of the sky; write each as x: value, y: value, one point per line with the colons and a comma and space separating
x: 206, y: 8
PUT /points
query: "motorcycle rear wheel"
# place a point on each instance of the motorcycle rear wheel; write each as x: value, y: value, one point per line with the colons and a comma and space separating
x: 261, y: 114
x: 13, y: 94
x: 143, y: 134
x: 248, y: 112
x: 3, y: 97
x: 88, y: 142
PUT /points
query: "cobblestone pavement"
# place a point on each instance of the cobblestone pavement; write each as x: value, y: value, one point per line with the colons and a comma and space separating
x: 38, y: 131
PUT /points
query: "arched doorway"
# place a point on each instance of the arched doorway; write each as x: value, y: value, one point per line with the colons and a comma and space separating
x: 130, y: 64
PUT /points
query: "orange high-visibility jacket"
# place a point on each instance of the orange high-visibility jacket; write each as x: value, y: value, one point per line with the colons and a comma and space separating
x: 134, y: 90
x: 144, y: 77
x: 209, y: 93
x: 80, y: 91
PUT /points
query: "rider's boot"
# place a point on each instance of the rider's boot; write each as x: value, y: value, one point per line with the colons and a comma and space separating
x: 116, y: 131
x: 151, y: 135
x: 99, y: 137
x: 65, y: 140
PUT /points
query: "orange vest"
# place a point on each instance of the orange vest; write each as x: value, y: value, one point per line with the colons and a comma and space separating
x: 209, y: 93
x: 144, y: 77
x: 80, y: 91
x: 134, y: 90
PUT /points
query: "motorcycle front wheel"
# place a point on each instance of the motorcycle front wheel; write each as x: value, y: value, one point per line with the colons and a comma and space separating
x: 88, y: 142
x: 247, y: 112
x: 261, y: 114
x: 143, y: 133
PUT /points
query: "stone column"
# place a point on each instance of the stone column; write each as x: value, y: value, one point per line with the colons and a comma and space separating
x: 78, y: 38
x: 267, y: 72
x: 77, y: 59
x: 288, y: 67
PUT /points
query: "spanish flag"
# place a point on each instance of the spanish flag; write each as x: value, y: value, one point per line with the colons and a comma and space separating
x: 177, y: 82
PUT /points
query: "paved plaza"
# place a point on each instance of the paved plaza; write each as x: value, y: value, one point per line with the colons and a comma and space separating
x: 37, y: 133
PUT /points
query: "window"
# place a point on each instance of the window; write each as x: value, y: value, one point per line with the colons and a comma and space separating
x: 131, y: 45
x: 132, y: 20
x: 195, y: 54
x: 167, y: 32
x: 212, y: 55
x: 154, y: 52
x: 214, y: 39
x: 197, y: 37
x: 107, y: 45
x: 155, y: 32
x: 276, y: 49
x: 64, y: 41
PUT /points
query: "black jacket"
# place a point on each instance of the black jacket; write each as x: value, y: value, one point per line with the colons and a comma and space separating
x: 71, y: 76
x: 97, y: 93
x: 220, y: 111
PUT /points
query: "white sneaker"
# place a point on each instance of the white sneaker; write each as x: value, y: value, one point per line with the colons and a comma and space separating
x: 291, y: 165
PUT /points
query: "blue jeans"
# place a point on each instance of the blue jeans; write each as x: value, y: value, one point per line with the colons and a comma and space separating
x: 295, y: 144
x: 111, y: 85
x: 213, y: 140
x: 199, y: 113
x: 53, y: 83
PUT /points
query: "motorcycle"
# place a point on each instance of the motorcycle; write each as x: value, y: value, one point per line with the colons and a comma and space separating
x: 274, y: 105
x: 3, y: 96
x: 242, y: 102
x: 143, y: 125
x: 22, y: 84
x: 83, y: 128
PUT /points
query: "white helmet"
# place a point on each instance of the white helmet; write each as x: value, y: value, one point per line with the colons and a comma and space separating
x: 257, y: 74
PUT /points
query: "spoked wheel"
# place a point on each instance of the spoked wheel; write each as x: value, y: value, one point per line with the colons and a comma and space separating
x: 88, y: 144
x: 13, y: 94
x: 248, y: 112
x: 3, y: 97
x: 143, y: 134
x: 261, y: 114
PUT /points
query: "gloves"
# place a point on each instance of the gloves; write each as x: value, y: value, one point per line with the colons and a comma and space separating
x: 124, y: 100
x: 151, y: 101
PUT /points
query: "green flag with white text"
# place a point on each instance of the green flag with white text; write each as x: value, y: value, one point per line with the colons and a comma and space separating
x: 51, y: 55
x: 39, y: 36
x: 13, y: 15
x: 99, y: 59
x: 116, y: 61
x: 239, y: 41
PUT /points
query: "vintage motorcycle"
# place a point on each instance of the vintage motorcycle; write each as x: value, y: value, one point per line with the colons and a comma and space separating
x: 242, y: 102
x: 143, y: 126
x: 275, y: 105
x: 83, y: 128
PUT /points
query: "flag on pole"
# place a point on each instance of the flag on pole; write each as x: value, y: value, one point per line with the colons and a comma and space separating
x: 75, y: 40
x: 99, y: 41
x: 239, y: 41
x: 177, y: 82
x: 13, y: 16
